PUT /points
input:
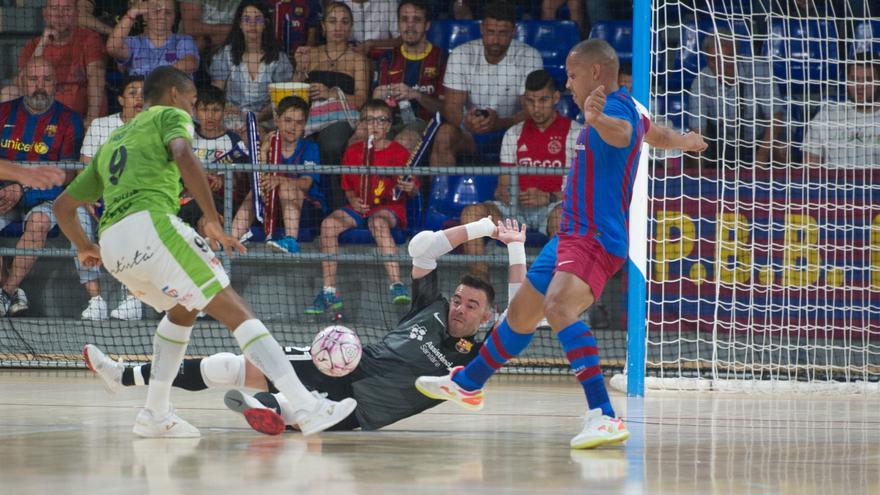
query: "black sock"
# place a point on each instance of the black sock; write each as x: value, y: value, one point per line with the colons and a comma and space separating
x: 189, y: 375
x: 128, y: 377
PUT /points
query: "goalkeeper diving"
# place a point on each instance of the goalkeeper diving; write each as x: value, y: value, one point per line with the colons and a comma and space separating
x: 436, y: 334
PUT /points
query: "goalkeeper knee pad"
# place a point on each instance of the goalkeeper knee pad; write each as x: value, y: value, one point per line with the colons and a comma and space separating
x: 223, y: 370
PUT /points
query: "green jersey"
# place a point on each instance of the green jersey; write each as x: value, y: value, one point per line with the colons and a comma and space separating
x: 134, y: 170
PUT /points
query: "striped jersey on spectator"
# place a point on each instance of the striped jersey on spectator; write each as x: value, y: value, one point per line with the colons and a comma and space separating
x: 53, y: 135
x: 526, y: 145
x: 423, y: 71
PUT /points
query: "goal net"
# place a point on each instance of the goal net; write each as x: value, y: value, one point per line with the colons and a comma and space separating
x: 764, y: 251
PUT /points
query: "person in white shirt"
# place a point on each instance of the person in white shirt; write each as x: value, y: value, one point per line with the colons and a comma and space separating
x: 131, y: 98
x: 483, y: 88
x: 846, y: 134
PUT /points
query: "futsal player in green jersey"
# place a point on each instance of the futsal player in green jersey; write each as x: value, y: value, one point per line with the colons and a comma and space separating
x: 166, y: 264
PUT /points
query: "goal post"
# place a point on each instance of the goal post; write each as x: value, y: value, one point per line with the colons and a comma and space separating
x: 755, y: 267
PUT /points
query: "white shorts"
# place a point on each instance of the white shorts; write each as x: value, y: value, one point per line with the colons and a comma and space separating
x: 162, y: 261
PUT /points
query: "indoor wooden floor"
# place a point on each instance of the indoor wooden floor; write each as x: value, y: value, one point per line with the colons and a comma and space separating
x: 60, y: 433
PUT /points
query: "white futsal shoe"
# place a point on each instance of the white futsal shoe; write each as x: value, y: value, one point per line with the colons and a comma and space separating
x: 599, y: 430
x: 259, y: 417
x: 109, y: 370
x: 96, y: 310
x: 444, y: 388
x: 171, y: 426
x: 130, y: 309
x: 325, y: 414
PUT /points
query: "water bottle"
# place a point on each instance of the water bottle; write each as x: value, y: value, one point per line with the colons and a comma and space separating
x: 406, y: 111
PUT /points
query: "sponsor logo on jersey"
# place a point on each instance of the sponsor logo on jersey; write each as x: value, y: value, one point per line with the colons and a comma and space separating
x: 528, y: 162
x: 464, y: 346
x: 435, y: 355
x: 430, y: 72
x: 523, y: 149
x: 18, y: 145
x: 298, y: 11
x: 168, y: 291
x: 50, y: 130
x: 417, y: 332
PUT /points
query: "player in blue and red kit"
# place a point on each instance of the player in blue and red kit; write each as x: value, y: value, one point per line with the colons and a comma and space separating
x: 572, y: 269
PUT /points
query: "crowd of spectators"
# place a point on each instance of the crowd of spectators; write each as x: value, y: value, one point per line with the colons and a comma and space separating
x: 375, y: 82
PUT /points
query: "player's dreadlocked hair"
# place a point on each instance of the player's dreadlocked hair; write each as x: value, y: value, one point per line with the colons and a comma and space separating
x: 163, y: 79
x: 479, y: 284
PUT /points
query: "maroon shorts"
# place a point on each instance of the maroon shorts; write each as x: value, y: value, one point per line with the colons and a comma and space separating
x: 587, y: 259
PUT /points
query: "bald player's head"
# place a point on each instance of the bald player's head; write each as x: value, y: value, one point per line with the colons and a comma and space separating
x: 590, y: 64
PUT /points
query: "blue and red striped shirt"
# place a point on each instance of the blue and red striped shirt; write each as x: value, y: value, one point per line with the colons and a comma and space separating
x: 53, y: 135
x: 599, y: 185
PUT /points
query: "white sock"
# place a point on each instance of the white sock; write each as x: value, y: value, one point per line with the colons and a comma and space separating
x: 169, y: 347
x: 330, y: 289
x: 138, y: 376
x: 263, y: 351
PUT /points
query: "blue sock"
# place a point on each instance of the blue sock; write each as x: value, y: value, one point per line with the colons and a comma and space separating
x: 501, y: 345
x: 583, y: 354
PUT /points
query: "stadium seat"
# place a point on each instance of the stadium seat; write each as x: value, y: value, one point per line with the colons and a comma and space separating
x: 450, y: 194
x: 449, y: 34
x: 568, y: 108
x: 866, y: 39
x: 553, y: 39
x: 802, y: 54
x: 618, y: 34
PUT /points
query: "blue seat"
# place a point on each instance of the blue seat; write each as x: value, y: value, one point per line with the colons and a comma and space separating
x: 449, y: 34
x: 553, y: 39
x: 450, y: 194
x: 689, y: 57
x: 866, y: 39
x: 618, y: 34
x: 804, y: 52
x: 568, y: 108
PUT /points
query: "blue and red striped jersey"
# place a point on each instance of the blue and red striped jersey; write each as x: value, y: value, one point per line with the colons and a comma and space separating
x: 599, y: 185
x: 53, y: 135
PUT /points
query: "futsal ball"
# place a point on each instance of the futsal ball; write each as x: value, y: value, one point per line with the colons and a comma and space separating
x: 336, y: 350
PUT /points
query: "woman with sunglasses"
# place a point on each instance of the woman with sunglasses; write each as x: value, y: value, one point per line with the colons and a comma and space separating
x: 248, y: 63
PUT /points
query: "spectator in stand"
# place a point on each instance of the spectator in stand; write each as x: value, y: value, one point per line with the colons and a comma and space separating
x: 575, y: 10
x: 250, y: 61
x: 207, y: 21
x: 546, y: 140
x: 375, y: 25
x: 332, y: 69
x: 297, y: 194
x: 411, y: 75
x: 483, y: 88
x: 297, y: 23
x: 727, y: 99
x: 372, y: 201
x: 38, y: 128
x: 131, y: 99
x: 101, y: 16
x: 76, y: 54
x: 213, y: 143
x: 158, y: 46
x: 846, y: 134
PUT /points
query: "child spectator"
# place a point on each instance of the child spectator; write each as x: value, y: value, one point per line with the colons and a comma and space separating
x: 372, y: 202
x: 294, y: 192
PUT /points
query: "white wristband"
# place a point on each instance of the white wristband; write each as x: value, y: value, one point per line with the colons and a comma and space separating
x: 516, y: 251
x: 479, y: 229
